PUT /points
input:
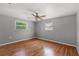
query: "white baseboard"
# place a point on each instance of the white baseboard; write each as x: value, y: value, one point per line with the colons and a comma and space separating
x: 57, y: 42
x: 39, y: 38
x: 15, y: 41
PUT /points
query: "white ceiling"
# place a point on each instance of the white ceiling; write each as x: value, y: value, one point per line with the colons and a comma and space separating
x: 51, y: 10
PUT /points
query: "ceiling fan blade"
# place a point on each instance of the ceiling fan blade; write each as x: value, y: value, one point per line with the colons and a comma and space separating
x: 43, y: 16
x: 33, y: 14
x: 40, y: 18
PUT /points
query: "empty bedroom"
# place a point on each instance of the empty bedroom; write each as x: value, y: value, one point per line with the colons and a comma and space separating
x: 39, y: 29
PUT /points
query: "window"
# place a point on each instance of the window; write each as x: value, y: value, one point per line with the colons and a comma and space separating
x: 21, y: 24
x: 49, y: 26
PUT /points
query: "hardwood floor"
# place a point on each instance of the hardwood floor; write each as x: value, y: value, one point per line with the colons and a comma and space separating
x: 37, y: 47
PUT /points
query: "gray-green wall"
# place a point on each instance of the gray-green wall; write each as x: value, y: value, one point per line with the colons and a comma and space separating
x: 64, y: 29
x: 8, y: 33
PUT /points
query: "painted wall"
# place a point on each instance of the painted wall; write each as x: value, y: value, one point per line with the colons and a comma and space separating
x: 8, y: 33
x: 64, y: 29
x: 78, y: 31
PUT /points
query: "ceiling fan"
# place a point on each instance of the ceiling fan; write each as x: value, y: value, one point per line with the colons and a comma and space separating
x: 36, y: 15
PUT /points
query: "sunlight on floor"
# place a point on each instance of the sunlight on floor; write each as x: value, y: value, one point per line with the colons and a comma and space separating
x: 48, y: 52
x: 21, y: 52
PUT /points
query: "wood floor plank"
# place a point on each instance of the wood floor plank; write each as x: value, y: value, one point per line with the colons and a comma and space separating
x: 37, y: 47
